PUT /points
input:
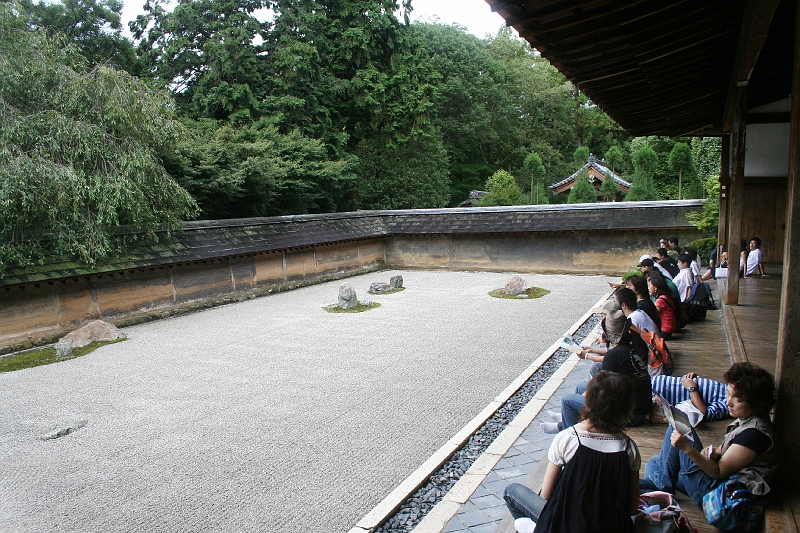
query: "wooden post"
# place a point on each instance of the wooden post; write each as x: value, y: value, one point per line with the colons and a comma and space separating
x: 787, y: 368
x: 736, y: 195
x: 724, y: 186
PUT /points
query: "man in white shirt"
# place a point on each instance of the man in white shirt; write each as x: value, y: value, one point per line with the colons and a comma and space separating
x: 626, y: 299
x: 754, y: 259
x: 685, y: 279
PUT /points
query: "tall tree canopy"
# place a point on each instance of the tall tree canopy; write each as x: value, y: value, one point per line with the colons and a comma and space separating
x: 79, y: 151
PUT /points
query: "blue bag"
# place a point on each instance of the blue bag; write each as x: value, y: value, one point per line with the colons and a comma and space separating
x: 732, y: 507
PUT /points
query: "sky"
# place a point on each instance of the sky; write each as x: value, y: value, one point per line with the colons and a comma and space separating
x: 475, y: 15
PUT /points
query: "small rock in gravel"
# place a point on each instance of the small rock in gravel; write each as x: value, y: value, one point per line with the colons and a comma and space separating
x: 64, y: 430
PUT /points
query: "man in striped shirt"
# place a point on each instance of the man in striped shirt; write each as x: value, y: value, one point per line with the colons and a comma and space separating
x: 707, y: 395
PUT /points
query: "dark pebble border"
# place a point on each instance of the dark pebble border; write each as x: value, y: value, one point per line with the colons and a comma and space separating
x: 414, y: 509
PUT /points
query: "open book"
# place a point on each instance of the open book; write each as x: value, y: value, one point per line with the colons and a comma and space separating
x: 677, y: 418
x: 569, y: 343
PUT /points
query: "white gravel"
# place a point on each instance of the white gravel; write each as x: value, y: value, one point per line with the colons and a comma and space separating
x: 269, y: 415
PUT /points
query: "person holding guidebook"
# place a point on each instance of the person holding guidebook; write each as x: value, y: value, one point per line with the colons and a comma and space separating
x: 747, y: 450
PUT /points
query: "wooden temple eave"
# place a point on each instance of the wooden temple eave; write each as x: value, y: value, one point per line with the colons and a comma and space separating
x: 752, y: 37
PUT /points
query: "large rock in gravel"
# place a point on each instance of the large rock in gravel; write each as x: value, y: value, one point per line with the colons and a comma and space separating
x: 94, y: 331
x: 516, y: 285
x: 347, y: 296
x: 396, y: 281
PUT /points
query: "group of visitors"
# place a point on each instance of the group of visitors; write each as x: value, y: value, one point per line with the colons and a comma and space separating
x: 592, y: 482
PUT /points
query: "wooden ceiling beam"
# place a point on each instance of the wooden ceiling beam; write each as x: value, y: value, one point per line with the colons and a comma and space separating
x: 757, y: 19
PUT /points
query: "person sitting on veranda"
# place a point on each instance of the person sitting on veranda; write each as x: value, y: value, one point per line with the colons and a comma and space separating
x: 591, y: 482
x: 754, y: 259
x: 685, y: 279
x: 747, y: 450
x: 638, y: 284
x: 629, y: 303
x: 706, y: 395
x: 627, y: 355
x: 664, y: 302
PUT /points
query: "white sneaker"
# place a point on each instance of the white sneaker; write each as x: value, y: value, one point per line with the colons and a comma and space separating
x: 524, y: 525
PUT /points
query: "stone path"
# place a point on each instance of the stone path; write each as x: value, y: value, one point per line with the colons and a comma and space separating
x: 485, y: 509
x: 271, y: 414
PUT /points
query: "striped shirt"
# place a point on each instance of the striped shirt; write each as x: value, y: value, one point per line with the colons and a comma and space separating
x: 712, y: 392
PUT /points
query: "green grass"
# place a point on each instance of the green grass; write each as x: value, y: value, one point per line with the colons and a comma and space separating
x: 45, y: 356
x: 357, y: 309
x: 532, y: 292
x: 390, y: 291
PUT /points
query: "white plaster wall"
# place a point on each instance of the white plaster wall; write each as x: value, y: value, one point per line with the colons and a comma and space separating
x: 767, y: 150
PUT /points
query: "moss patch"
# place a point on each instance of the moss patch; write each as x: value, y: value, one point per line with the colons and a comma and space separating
x: 532, y: 292
x: 357, y: 309
x: 390, y: 291
x: 45, y: 356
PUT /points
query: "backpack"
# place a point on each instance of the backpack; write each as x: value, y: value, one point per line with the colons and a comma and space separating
x: 659, y: 361
x: 700, y: 301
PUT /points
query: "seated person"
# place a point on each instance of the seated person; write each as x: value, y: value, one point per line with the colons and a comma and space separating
x: 647, y: 262
x: 628, y: 302
x: 685, y: 279
x: 592, y: 469
x: 712, y: 266
x: 674, y: 250
x: 621, y: 358
x: 707, y: 396
x: 667, y: 263
x: 665, y: 305
x: 754, y: 262
x: 695, y: 263
x: 638, y: 284
x: 673, y: 289
x: 747, y: 449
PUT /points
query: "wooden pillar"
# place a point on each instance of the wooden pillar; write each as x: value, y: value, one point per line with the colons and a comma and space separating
x: 787, y: 369
x: 724, y: 186
x: 736, y: 194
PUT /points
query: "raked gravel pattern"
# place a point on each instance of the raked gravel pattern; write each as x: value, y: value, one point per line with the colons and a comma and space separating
x: 269, y: 415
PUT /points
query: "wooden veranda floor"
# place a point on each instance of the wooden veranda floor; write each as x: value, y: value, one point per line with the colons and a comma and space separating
x: 701, y: 347
x: 744, y: 332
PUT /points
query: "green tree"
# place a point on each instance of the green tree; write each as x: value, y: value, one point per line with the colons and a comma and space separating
x: 502, y: 189
x: 680, y: 161
x: 203, y: 52
x: 409, y: 174
x: 707, y: 220
x: 582, y: 191
x: 641, y: 190
x: 645, y: 163
x: 609, y: 189
x: 580, y: 156
x: 533, y: 165
x: 255, y: 170
x: 79, y: 152
x: 93, y: 26
x: 615, y: 160
x: 472, y: 106
x: 706, y: 155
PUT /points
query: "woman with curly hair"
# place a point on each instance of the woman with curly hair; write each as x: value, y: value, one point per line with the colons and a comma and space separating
x: 747, y: 449
x: 591, y: 483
